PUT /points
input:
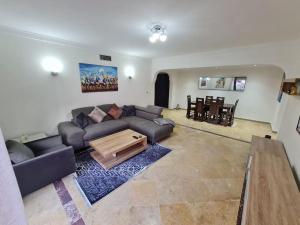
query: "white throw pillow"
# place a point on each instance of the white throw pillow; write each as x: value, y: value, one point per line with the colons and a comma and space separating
x: 97, y: 115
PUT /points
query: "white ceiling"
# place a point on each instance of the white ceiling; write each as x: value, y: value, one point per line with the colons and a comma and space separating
x: 121, y: 26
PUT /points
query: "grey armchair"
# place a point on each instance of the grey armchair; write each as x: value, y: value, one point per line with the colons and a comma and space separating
x: 52, y: 161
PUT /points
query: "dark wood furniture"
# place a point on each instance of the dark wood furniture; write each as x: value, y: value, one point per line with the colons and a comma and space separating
x: 191, y: 106
x: 271, y: 194
x: 208, y: 100
x: 228, y: 111
x: 206, y: 110
x: 200, y: 112
x: 213, y: 114
x: 220, y: 100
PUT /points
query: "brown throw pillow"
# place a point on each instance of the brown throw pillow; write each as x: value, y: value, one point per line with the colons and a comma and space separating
x: 115, y: 112
x: 97, y: 115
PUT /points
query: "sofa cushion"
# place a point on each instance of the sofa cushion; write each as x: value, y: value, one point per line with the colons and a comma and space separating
x: 85, y: 110
x: 154, y: 109
x: 153, y: 131
x: 97, y: 115
x: 105, y: 107
x: 81, y: 120
x: 18, y: 152
x: 164, y: 121
x: 115, y: 112
x: 146, y: 115
x: 128, y: 110
x: 105, y: 128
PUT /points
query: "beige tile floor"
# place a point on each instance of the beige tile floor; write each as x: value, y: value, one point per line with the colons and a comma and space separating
x: 199, y: 182
x: 241, y: 129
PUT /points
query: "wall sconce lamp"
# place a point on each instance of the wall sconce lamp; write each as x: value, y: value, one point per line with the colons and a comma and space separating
x: 129, y: 72
x: 52, y: 65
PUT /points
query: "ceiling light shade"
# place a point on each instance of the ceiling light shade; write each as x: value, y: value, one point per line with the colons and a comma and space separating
x: 152, y: 39
x: 52, y: 65
x: 163, y: 37
x: 156, y: 36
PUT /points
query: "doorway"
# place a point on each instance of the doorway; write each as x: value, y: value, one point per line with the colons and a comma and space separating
x: 162, y: 87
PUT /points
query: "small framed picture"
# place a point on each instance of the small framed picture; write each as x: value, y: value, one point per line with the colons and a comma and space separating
x: 298, y: 126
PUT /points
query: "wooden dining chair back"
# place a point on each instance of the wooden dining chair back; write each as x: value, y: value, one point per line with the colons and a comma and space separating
x: 208, y: 99
x: 200, y: 113
x: 190, y: 108
x: 214, y: 112
x: 231, y: 120
x: 227, y: 118
x: 220, y: 100
x: 235, y: 105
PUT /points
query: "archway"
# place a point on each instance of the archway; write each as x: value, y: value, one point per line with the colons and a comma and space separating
x: 162, y: 87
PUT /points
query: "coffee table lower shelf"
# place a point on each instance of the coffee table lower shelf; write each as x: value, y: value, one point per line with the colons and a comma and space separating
x: 119, y: 157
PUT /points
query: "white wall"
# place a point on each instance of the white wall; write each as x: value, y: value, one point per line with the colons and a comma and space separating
x: 285, y: 55
x: 257, y: 102
x: 287, y: 132
x: 32, y: 100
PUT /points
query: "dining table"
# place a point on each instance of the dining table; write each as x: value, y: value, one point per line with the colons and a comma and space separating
x: 226, y: 106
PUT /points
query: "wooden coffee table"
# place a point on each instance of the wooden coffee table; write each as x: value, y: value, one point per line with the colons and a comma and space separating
x: 116, y: 148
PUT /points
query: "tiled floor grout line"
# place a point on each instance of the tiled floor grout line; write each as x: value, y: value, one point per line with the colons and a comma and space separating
x: 68, y: 204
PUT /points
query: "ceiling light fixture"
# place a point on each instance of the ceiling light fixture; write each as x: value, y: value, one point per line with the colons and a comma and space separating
x: 158, y: 32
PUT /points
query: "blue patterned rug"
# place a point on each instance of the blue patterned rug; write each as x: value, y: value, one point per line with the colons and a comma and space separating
x: 96, y: 182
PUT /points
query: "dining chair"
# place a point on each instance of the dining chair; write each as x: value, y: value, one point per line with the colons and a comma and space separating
x: 190, y: 109
x: 235, y: 105
x: 221, y: 100
x: 233, y: 112
x: 213, y: 115
x: 208, y: 100
x: 200, y: 113
x: 227, y: 117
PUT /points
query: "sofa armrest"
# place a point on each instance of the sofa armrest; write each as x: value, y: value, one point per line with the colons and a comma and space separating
x: 42, y: 170
x: 45, y: 143
x: 71, y: 135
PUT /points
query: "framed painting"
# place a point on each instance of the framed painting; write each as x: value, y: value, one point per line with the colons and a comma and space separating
x: 97, y: 78
x: 220, y: 83
x: 202, y: 82
x: 240, y: 83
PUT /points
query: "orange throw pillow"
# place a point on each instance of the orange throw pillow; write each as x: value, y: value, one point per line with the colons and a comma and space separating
x: 115, y: 112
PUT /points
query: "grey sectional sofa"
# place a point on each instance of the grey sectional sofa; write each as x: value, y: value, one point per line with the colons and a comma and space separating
x: 142, y: 122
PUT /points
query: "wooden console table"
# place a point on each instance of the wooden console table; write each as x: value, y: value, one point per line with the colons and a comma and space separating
x: 271, y: 195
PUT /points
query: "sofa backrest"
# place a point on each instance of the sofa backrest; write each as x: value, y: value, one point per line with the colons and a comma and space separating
x: 150, y: 112
x: 87, y: 110
x: 105, y: 107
